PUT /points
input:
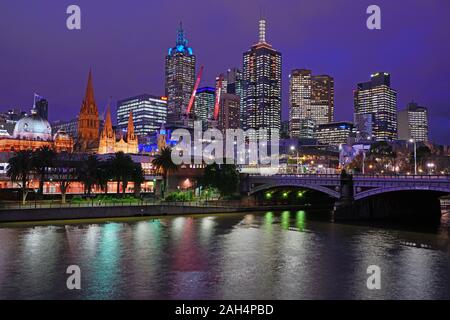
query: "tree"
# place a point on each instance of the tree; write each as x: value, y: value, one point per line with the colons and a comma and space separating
x: 137, y: 177
x: 42, y: 160
x: 64, y: 172
x: 20, y: 168
x: 224, y: 177
x: 104, y: 174
x: 383, y: 154
x: 121, y: 168
x: 423, y: 153
x: 88, y: 173
x: 163, y: 164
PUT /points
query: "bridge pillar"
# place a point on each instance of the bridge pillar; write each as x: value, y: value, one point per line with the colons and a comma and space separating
x: 344, y: 207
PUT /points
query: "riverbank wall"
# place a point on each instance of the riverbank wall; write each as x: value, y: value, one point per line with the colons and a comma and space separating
x: 45, y: 214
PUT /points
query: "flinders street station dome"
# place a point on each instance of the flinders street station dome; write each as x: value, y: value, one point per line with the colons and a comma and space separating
x: 33, y: 127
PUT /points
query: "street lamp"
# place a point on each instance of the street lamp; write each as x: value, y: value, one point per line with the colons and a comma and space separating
x: 415, y: 155
x: 430, y: 166
x: 296, y: 159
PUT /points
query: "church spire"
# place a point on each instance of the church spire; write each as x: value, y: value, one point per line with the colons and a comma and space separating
x: 89, y: 96
x: 130, y: 128
x: 108, y: 129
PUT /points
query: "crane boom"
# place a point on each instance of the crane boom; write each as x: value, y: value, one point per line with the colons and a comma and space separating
x: 217, y: 102
x: 197, y: 83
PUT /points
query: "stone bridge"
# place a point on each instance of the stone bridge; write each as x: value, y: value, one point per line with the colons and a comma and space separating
x: 365, y: 196
x: 363, y: 185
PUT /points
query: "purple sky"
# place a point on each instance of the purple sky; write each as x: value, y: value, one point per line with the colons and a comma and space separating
x: 125, y: 42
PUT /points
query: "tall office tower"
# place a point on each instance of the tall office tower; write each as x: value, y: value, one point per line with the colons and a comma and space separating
x: 322, y: 99
x: 311, y: 97
x: 88, y: 121
x: 377, y: 99
x: 204, y: 105
x: 262, y: 85
x: 229, y: 112
x: 41, y: 106
x: 180, y: 79
x: 235, y: 86
x: 413, y: 123
x: 149, y: 113
x: 224, y: 83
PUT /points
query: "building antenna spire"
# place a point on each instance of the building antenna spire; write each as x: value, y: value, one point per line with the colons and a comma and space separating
x: 262, y: 27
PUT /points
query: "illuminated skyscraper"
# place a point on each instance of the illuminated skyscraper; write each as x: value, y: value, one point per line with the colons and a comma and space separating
x: 310, y: 98
x: 180, y: 78
x: 377, y: 99
x: 235, y: 86
x: 204, y: 105
x: 262, y: 85
x: 149, y: 113
x: 229, y: 112
x: 413, y: 123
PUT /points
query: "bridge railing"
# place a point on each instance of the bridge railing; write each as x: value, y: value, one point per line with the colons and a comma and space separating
x: 359, y: 176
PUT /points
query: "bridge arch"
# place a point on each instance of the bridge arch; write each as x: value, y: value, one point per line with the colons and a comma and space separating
x: 333, y: 193
x: 377, y: 191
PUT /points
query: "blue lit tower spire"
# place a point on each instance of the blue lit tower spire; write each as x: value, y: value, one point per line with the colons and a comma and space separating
x: 181, y: 46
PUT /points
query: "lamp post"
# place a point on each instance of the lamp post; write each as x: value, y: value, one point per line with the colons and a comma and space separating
x: 430, y: 166
x: 415, y: 155
x: 296, y: 159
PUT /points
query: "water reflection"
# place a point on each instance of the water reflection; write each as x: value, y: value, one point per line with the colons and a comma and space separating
x: 273, y: 255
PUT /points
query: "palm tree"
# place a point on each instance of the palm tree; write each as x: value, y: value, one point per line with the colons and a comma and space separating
x: 88, y: 173
x: 42, y: 159
x: 163, y: 164
x: 20, y: 168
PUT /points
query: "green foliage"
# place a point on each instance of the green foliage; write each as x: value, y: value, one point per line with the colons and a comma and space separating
x: 180, y: 196
x: 224, y: 177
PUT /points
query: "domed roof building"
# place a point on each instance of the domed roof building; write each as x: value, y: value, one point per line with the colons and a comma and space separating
x: 33, y: 127
x: 33, y: 132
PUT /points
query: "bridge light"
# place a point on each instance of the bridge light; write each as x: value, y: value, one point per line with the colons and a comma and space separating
x: 268, y: 195
x: 299, y: 194
x: 285, y: 194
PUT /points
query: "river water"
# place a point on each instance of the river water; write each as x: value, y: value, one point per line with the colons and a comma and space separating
x: 271, y: 255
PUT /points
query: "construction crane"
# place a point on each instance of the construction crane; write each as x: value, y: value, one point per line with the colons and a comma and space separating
x: 194, y: 92
x: 217, y: 102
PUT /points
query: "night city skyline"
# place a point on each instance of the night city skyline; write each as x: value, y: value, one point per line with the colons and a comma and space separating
x: 127, y: 58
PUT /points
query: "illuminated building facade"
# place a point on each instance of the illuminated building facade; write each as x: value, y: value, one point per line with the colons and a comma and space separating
x: 310, y: 98
x: 235, y: 86
x: 109, y: 144
x: 413, y: 123
x: 262, y: 85
x: 180, y: 78
x: 334, y: 133
x: 377, y: 98
x: 33, y: 132
x: 149, y: 113
x: 229, y: 112
x: 204, y: 105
